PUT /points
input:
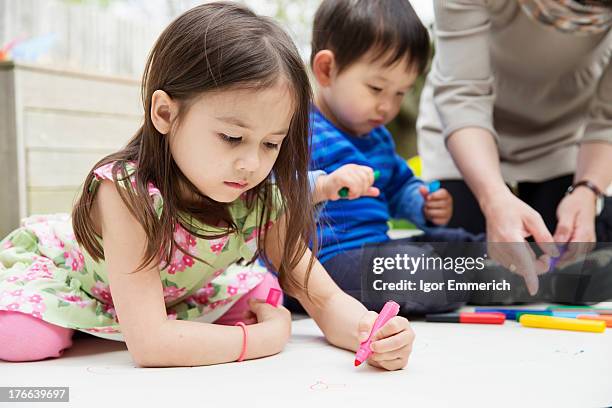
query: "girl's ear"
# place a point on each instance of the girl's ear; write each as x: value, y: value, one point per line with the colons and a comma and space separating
x: 323, y: 67
x: 163, y: 111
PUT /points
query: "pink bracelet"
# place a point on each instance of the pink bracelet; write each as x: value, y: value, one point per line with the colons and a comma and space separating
x: 244, y: 340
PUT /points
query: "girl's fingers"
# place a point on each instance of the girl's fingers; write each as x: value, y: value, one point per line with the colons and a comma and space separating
x: 401, y: 353
x: 392, y: 327
x: 250, y: 320
x: 393, y: 365
x: 396, y: 342
x: 365, y: 325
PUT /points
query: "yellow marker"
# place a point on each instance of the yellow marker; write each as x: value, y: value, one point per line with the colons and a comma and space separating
x: 562, y: 323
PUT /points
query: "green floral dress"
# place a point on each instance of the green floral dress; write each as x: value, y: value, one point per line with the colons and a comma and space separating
x: 44, y: 273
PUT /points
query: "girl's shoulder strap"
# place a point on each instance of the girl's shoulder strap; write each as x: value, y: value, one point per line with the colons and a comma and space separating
x: 105, y: 172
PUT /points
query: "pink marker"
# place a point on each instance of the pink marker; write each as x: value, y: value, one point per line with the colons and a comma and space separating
x: 388, y: 311
x: 273, y: 297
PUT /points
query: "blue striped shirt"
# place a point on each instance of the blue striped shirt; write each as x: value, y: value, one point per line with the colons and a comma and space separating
x: 348, y: 224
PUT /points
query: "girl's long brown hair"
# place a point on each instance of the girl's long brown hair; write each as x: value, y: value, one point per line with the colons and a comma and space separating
x: 212, y: 47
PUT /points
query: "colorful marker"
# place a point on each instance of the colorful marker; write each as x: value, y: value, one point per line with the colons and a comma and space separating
x: 389, y: 310
x: 569, y: 307
x: 512, y: 314
x: 479, y: 318
x: 562, y: 323
x: 573, y: 314
x: 344, y: 191
x: 433, y: 186
x: 519, y: 313
x: 555, y: 259
x: 598, y: 310
x: 606, y: 319
x: 273, y: 297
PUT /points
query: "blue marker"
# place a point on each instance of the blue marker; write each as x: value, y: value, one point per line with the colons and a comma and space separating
x: 433, y: 186
x: 572, y: 315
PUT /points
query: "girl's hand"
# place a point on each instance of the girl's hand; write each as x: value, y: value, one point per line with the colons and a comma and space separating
x: 358, y: 179
x: 391, y: 345
x: 438, y: 206
x: 264, y: 312
x: 278, y: 317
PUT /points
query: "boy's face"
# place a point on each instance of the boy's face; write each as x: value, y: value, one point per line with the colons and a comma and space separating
x: 366, y: 94
x: 228, y: 141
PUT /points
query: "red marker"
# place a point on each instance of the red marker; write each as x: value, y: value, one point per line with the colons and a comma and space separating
x: 273, y: 297
x: 481, y: 318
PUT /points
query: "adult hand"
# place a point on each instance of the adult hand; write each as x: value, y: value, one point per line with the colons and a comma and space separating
x: 510, y: 221
x: 576, y: 224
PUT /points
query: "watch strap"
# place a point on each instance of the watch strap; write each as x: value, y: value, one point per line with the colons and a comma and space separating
x: 586, y: 183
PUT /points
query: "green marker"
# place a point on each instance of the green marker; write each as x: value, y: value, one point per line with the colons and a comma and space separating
x: 343, y: 192
x: 570, y: 307
x: 532, y: 312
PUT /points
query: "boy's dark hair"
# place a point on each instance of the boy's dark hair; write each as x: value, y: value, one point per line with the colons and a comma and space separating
x: 351, y: 28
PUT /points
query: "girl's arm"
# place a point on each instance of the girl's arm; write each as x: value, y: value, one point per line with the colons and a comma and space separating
x: 345, y: 322
x: 151, y: 338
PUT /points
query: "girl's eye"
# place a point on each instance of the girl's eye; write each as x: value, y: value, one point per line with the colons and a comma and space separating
x: 230, y: 139
x: 401, y: 94
x: 271, y: 146
x: 375, y: 88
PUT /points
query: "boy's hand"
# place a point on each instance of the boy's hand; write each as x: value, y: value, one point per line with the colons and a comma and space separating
x: 391, y: 345
x: 358, y: 179
x: 438, y: 207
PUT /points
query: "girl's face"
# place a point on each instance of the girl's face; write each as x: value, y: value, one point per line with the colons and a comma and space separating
x: 228, y: 141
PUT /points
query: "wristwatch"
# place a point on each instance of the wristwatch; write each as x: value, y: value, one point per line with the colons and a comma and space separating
x: 591, y: 186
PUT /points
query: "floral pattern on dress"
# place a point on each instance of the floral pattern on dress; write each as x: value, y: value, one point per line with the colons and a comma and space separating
x: 44, y: 272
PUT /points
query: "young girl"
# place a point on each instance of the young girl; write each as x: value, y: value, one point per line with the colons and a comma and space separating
x: 161, y: 250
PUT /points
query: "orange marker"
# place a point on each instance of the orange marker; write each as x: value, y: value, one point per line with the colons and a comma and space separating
x: 601, y: 318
